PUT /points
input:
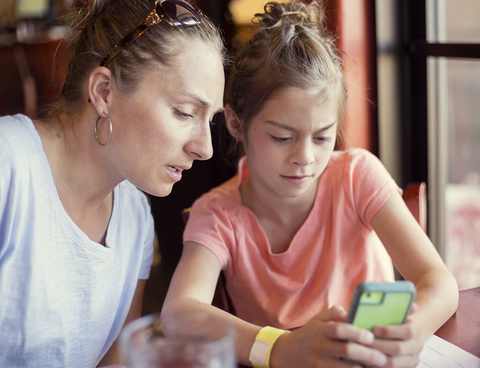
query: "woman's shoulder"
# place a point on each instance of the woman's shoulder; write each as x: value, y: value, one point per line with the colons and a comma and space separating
x: 15, y: 126
x: 18, y: 139
x: 17, y: 130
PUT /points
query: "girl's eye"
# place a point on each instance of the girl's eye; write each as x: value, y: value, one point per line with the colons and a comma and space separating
x: 183, y: 115
x: 278, y: 139
x: 284, y: 140
x: 324, y: 139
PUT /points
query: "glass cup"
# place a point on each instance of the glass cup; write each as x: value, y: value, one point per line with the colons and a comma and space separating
x: 208, y: 343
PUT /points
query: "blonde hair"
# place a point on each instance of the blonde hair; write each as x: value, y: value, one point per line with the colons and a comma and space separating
x: 292, y: 48
x: 98, y: 25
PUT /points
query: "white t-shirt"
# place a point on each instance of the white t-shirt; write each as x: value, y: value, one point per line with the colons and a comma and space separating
x: 63, y: 297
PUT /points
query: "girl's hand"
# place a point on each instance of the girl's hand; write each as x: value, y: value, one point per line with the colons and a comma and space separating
x: 325, y: 341
x: 401, y: 343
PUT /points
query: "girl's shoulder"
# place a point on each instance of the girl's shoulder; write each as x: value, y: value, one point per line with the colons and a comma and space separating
x: 225, y: 197
x: 352, y: 155
x: 356, y: 168
x: 352, y: 160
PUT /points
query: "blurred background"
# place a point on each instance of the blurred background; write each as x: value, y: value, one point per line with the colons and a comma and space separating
x: 413, y: 72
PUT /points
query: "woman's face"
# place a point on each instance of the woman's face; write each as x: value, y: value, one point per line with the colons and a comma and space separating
x: 289, y: 143
x: 165, y: 125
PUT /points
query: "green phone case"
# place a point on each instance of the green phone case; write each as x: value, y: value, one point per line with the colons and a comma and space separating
x: 381, y: 303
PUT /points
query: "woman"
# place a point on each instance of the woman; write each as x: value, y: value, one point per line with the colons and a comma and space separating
x: 301, y: 225
x: 76, y: 235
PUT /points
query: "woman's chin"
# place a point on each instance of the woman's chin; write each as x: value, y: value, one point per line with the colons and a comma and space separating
x: 159, y: 191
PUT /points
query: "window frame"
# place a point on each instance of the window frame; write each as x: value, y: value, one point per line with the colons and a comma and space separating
x: 418, y: 157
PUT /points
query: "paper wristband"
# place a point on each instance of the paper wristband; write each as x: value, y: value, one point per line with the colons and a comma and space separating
x: 262, y: 347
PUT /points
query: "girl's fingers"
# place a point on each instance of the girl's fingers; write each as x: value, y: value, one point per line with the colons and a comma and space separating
x: 405, y: 331
x: 324, y: 338
x: 398, y: 347
x: 400, y: 343
x: 350, y: 342
x: 348, y: 332
x: 363, y: 355
x: 414, y: 308
x: 392, y: 346
x: 347, y: 352
x: 335, y: 313
x: 404, y: 361
x: 337, y: 363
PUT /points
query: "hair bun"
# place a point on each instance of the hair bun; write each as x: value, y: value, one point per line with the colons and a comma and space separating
x: 289, y: 14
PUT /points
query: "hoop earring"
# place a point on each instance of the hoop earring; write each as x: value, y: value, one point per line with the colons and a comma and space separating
x: 111, y: 128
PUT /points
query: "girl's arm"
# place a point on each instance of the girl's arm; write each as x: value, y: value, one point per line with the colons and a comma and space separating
x: 193, y: 287
x: 417, y: 260
x: 324, y: 339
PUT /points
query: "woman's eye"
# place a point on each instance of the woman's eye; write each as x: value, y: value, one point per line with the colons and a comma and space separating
x: 213, y: 120
x: 278, y: 139
x: 183, y: 115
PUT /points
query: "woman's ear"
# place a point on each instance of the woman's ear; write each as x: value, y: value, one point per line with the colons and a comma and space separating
x: 234, y: 124
x: 99, y: 89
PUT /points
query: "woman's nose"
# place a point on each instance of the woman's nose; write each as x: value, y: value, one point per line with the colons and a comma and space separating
x: 201, y: 147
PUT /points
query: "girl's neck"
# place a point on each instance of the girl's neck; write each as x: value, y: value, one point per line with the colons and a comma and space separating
x: 268, y: 202
x: 279, y: 217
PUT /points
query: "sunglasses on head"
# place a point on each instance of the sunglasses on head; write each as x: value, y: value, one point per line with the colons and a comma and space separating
x: 174, y: 12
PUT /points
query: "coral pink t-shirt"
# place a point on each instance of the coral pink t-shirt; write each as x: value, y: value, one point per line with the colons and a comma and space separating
x: 333, y: 251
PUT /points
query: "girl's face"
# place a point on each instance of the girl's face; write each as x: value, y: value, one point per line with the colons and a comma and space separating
x: 163, y: 127
x: 289, y: 143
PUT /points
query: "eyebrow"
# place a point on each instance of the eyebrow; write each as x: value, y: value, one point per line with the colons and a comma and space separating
x: 292, y: 129
x: 204, y: 103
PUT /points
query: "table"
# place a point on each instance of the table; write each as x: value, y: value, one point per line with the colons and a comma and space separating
x: 463, y: 328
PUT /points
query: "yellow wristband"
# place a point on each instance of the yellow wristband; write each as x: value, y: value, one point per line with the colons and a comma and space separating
x: 262, y: 347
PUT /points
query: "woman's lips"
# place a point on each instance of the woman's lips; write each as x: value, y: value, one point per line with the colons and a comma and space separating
x: 174, y: 172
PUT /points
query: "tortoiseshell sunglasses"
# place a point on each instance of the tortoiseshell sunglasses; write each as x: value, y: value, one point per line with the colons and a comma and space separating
x: 174, y: 12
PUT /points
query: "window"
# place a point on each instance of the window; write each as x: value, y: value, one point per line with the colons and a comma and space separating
x: 436, y: 55
x: 454, y: 133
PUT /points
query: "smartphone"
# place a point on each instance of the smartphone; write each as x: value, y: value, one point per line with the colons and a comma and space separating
x: 381, y: 303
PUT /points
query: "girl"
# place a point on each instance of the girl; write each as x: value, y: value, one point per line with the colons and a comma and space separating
x: 301, y: 225
x: 76, y: 235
